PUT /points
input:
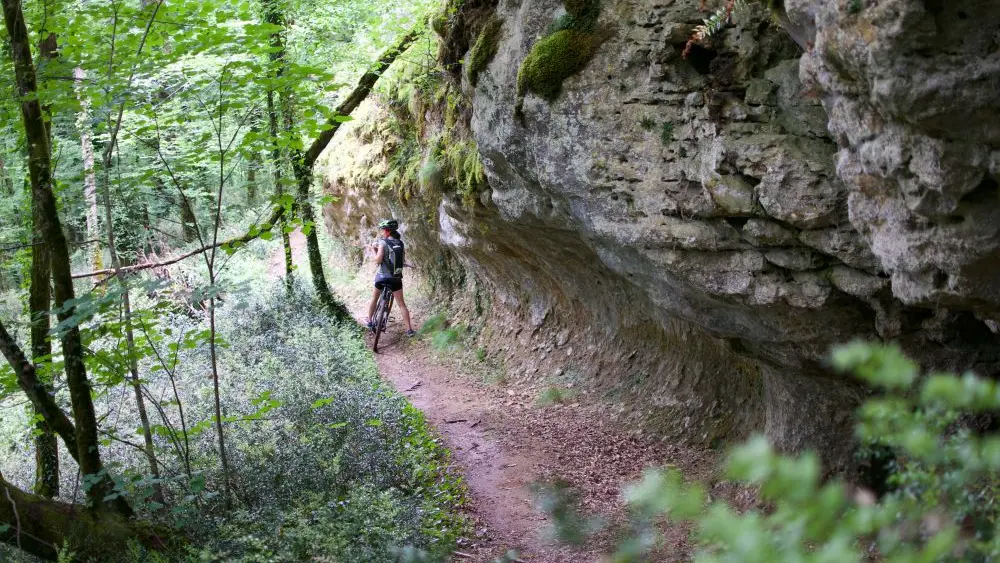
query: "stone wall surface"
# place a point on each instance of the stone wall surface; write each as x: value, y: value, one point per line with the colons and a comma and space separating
x: 702, y: 230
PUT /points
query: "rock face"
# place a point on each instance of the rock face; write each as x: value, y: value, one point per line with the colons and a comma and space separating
x: 699, y: 231
x: 911, y: 89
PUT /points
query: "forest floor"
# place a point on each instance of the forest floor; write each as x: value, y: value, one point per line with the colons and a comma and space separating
x: 503, y: 441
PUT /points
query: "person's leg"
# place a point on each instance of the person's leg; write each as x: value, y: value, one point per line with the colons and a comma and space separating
x: 398, y: 296
x: 371, y: 306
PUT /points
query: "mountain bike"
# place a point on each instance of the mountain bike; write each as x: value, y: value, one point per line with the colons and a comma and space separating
x: 380, y: 320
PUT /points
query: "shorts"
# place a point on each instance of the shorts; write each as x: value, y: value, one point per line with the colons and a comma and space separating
x: 395, y: 284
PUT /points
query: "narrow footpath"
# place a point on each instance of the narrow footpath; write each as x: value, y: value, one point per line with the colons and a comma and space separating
x: 502, y: 441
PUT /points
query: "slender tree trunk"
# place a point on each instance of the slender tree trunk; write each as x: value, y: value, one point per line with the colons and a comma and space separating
x: 89, y: 177
x: 278, y: 162
x: 274, y: 16
x: 6, y: 182
x: 37, y: 392
x: 101, y: 489
x: 188, y: 220
x: 253, y: 163
x: 303, y: 178
x: 218, y: 402
x: 39, y: 300
x: 147, y: 434
x: 302, y: 172
x: 252, y: 180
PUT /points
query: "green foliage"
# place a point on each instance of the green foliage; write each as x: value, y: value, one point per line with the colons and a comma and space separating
x: 464, y: 168
x: 552, y: 395
x: 583, y: 12
x: 942, y: 504
x: 667, y: 132
x: 340, y: 467
x: 562, y: 502
x: 443, y: 336
x: 647, y: 123
x: 434, y: 323
x: 431, y: 175
x: 441, y: 20
x: 485, y: 48
x: 573, y: 40
x: 446, y: 339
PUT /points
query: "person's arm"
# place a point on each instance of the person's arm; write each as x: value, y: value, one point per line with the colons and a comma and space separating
x: 379, y: 254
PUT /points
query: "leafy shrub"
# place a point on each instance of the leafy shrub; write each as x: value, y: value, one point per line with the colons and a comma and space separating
x: 341, y: 467
x: 943, y: 505
x: 551, y: 395
x: 434, y: 323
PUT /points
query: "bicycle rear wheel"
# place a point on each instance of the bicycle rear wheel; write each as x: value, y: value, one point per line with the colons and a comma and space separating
x: 381, y: 318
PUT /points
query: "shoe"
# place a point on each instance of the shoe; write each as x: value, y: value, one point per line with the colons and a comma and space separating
x: 411, y: 333
x: 370, y: 324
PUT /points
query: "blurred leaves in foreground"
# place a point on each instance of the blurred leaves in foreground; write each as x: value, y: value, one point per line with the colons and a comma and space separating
x: 939, y: 503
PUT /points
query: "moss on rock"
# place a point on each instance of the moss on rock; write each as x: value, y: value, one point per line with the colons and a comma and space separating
x: 485, y: 48
x: 583, y: 12
x: 554, y: 59
x: 570, y: 43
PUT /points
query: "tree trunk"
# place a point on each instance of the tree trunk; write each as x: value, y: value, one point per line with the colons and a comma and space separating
x: 46, y: 448
x: 40, y: 170
x: 39, y: 301
x: 147, y: 434
x: 89, y: 178
x: 253, y: 163
x: 38, y: 393
x: 279, y: 189
x: 6, y: 182
x: 188, y: 220
x: 303, y: 177
x: 302, y: 172
x: 40, y: 526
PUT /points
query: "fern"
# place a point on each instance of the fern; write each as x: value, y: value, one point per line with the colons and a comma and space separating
x: 716, y: 23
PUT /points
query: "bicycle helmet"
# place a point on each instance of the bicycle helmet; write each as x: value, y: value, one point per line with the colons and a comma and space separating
x: 390, y: 224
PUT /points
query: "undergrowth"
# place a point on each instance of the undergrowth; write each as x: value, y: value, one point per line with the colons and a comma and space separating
x: 327, y: 463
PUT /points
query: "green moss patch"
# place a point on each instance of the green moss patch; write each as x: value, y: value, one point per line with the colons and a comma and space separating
x: 485, y: 48
x: 571, y: 41
x: 554, y: 59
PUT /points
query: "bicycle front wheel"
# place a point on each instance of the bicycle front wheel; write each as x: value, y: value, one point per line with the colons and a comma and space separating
x: 377, y: 326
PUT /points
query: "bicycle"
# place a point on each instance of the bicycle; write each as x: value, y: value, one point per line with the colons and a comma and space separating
x: 380, y: 320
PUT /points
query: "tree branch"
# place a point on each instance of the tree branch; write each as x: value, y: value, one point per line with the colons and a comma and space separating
x: 40, y: 526
x: 358, y: 95
x: 27, y: 380
x: 279, y: 210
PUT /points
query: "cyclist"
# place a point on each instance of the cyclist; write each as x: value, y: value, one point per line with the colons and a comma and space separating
x: 389, y: 256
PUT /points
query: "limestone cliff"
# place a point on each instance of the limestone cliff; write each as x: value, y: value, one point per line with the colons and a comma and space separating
x: 696, y: 232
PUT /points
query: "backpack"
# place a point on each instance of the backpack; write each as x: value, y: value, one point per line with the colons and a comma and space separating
x: 395, y: 254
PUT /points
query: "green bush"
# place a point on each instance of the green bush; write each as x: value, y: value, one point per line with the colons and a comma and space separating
x: 343, y: 467
x: 942, y: 505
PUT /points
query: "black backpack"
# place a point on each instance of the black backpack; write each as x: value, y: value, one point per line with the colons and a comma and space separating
x: 395, y: 256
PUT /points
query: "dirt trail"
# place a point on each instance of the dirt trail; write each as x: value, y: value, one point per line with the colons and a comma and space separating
x: 502, y: 442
